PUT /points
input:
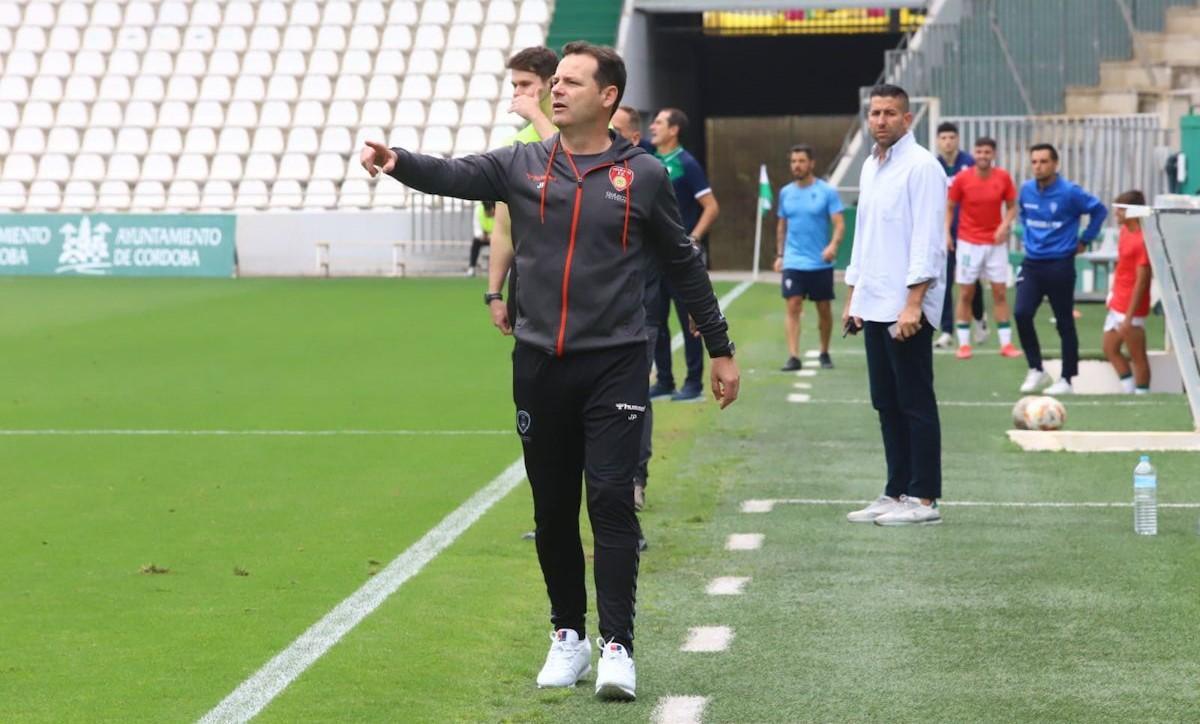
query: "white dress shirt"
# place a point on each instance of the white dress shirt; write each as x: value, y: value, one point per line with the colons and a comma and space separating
x: 899, y: 233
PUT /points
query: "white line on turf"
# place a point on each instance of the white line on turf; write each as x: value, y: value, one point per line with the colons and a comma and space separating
x: 798, y: 397
x: 766, y: 506
x: 802, y: 385
x: 727, y: 586
x: 679, y: 710
x: 254, y: 433
x: 806, y: 373
x: 744, y: 542
x: 812, y: 354
x: 1001, y: 403
x: 253, y: 694
x: 264, y: 685
x: 707, y: 639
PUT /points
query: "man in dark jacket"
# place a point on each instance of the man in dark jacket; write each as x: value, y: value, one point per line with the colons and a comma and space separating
x: 587, y: 209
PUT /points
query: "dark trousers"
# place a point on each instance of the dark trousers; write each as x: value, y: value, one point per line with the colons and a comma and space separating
x: 1053, y: 278
x: 643, y: 472
x: 950, y: 304
x: 581, y: 416
x: 901, y: 377
x: 476, y: 245
x: 693, y: 349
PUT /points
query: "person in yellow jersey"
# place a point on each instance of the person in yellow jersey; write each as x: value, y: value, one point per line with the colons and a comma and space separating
x: 532, y: 69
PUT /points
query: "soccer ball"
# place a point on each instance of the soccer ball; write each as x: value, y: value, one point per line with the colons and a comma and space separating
x: 1018, y: 412
x: 1045, y: 413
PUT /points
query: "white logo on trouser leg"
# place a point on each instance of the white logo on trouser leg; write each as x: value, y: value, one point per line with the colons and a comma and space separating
x: 523, y: 421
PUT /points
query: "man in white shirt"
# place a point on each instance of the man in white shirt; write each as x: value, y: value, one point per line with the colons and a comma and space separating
x: 897, y: 269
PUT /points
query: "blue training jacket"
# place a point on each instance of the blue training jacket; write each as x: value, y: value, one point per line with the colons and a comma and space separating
x: 1051, y: 218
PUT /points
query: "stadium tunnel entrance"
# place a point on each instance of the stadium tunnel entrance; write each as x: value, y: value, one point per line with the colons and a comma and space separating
x: 749, y: 96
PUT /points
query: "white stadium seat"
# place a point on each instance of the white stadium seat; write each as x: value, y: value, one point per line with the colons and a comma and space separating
x: 404, y: 137
x: 389, y: 195
x: 231, y: 38
x: 166, y: 142
x: 441, y: 113
x: 374, y: 113
x: 5, y: 141
x: 113, y: 196
x: 124, y: 167
x: 397, y: 37
x: 534, y: 11
x: 106, y: 14
x: 249, y: 88
x: 363, y: 37
x: 290, y: 62
x: 98, y: 38
x: 30, y: 141
x: 183, y: 195
x: 316, y: 88
x: 133, y: 141
x: 495, y: 37
x: 456, y: 60
x: 149, y: 196
x: 500, y: 136
x: 29, y: 39
x: 333, y: 39
x: 158, y: 167
x: 329, y: 166
x: 226, y: 63
x: 337, y: 12
x: 527, y: 35
x: 355, y: 193
x: 320, y: 194
x: 430, y: 36
x: 287, y: 194
x: 416, y: 87
x: 56, y: 63
x: 10, y: 15
x: 54, y: 167
x: 200, y: 39
x: 39, y: 14
x: 265, y: 38
x: 200, y: 141
x: 239, y: 14
x: 89, y: 167
x: 37, y: 114
x: 302, y: 140
x: 423, y: 62
x: 309, y: 114
x: 437, y: 140
x: 215, y: 88
x: 296, y: 37
x: 351, y: 88
x: 182, y: 88
x: 226, y: 167
x: 357, y: 62
x: 242, y: 114
x: 148, y: 88
x: 402, y: 12
x: 261, y: 167
x: 252, y: 194
x: 12, y: 195
x: 234, y: 140
x: 72, y: 15
x: 450, y: 87
x: 477, y: 113
x: 62, y: 139
x: 208, y: 114
x: 294, y: 166
x: 462, y: 36
x: 470, y: 139
x: 468, y: 12
x: 283, y: 88
x: 324, y: 62
x: 80, y: 88
x: 79, y: 195
x: 501, y: 12
x: 19, y: 167
x: 271, y: 13
x: 157, y: 62
x: 130, y: 38
x: 305, y: 12
x: 343, y: 113
x: 174, y: 114
x: 13, y: 88
x: 192, y: 167
x: 44, y: 196
x: 336, y: 141
x: 64, y: 38
x: 369, y: 12
x: 267, y: 141
x: 217, y: 195
x: 173, y: 13
x: 383, y: 86
x: 114, y: 88
x: 98, y: 140
x: 409, y: 113
x: 435, y: 12
x: 484, y: 86
x: 106, y: 114
x: 165, y: 38
x: 205, y: 13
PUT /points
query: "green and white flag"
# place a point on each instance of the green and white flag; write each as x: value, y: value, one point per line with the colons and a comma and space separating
x: 764, y: 190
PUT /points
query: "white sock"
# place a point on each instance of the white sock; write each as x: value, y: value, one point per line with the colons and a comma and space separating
x: 1127, y: 384
x: 1142, y: 391
x: 964, y: 334
x: 1005, y: 333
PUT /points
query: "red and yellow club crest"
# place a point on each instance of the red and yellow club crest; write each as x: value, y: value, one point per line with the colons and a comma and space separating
x: 620, y: 177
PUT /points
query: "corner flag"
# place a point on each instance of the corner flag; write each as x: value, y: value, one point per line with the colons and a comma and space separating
x: 764, y: 190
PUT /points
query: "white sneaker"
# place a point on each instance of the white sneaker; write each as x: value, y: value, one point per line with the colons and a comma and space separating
x: 616, y: 677
x: 1062, y: 387
x: 979, y: 331
x: 883, y: 504
x: 569, y: 660
x: 944, y: 342
x: 1034, y: 380
x: 911, y: 512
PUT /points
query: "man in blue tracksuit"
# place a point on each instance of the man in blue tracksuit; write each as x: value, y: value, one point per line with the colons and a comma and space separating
x: 1051, y: 208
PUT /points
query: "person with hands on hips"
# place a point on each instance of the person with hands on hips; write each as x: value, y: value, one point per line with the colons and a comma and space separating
x: 897, y: 268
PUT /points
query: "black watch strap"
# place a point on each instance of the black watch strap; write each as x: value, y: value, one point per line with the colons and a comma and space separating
x: 726, y: 351
x: 489, y: 297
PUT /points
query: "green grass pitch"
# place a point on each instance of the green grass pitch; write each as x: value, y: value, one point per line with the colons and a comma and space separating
x: 1000, y: 614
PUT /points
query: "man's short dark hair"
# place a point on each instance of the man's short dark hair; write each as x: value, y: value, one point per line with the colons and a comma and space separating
x: 887, y: 90
x: 985, y: 141
x: 676, y: 119
x: 635, y: 118
x: 537, y: 59
x: 1132, y: 197
x: 610, y: 67
x: 947, y: 127
x: 1045, y: 147
x: 804, y: 148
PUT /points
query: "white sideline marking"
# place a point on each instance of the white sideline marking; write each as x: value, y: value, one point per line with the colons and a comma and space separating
x: 707, y: 639
x: 758, y: 506
x: 765, y: 506
x: 802, y: 385
x: 723, y: 302
x: 727, y: 586
x: 265, y: 433
x: 798, y: 397
x: 256, y: 692
x: 253, y: 695
x: 744, y: 542
x: 812, y: 354
x: 806, y: 373
x: 679, y: 710
x: 1000, y: 403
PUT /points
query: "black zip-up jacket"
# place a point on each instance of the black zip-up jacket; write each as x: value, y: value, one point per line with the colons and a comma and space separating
x: 583, y: 227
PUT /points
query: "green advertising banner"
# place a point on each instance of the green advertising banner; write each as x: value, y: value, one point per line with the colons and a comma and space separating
x: 125, y: 245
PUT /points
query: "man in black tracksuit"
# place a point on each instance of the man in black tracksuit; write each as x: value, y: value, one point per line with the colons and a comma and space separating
x: 588, y: 211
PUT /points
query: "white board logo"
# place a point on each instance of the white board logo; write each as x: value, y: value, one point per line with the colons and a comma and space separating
x: 85, y: 248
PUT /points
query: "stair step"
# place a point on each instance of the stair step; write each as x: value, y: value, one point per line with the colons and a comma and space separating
x: 1133, y: 76
x: 1086, y: 100
x: 1168, y: 48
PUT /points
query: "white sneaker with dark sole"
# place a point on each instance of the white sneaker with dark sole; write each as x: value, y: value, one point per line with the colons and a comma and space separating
x: 945, y: 341
x: 569, y: 660
x: 911, y: 512
x: 616, y: 677
x: 882, y: 504
x: 1061, y: 387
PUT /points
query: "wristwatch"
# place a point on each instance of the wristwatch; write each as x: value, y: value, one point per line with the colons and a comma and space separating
x: 726, y: 351
x: 489, y: 297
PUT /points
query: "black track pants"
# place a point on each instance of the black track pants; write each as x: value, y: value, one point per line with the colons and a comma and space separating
x: 581, y: 416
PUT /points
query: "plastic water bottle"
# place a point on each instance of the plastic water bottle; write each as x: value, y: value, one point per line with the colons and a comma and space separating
x: 1145, y: 498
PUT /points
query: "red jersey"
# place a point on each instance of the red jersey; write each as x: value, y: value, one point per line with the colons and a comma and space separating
x: 1131, y: 254
x: 980, y: 203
